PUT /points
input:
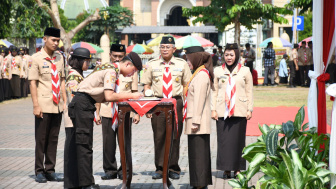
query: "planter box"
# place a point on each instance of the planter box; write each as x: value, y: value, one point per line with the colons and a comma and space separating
x: 260, y: 80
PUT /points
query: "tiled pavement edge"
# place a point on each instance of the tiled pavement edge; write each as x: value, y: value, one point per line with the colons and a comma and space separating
x: 17, y: 153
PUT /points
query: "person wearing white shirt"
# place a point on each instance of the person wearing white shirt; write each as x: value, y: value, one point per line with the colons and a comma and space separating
x: 283, y: 71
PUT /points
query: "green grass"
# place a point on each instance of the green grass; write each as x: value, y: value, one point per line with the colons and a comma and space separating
x: 282, y: 96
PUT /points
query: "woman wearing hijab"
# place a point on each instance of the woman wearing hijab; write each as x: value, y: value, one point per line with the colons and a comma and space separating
x: 198, y: 116
x: 231, y: 107
x: 79, y: 62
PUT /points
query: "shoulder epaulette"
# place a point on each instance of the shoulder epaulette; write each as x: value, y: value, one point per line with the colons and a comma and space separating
x: 74, y: 77
x: 104, y: 67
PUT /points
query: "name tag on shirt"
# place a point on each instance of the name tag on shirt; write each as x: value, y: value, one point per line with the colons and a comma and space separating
x: 178, y: 69
x: 223, y: 77
x: 45, y: 66
x: 157, y: 70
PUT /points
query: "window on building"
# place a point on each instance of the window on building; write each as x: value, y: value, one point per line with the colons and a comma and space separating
x: 114, y: 2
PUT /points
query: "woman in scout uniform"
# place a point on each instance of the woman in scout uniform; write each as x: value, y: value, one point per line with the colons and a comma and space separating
x: 97, y: 87
x: 7, y: 74
x: 79, y: 62
x: 2, y: 52
x: 198, y: 116
x: 232, y: 106
x: 16, y: 72
x: 109, y: 126
x: 23, y: 78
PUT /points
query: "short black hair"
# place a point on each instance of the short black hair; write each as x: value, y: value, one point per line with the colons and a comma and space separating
x: 247, y: 45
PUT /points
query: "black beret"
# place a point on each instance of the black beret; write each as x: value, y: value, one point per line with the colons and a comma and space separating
x: 117, y: 48
x: 167, y: 40
x: 231, y: 46
x: 81, y: 53
x: 12, y: 48
x: 2, y: 46
x: 194, y: 49
x: 135, y: 59
x: 22, y: 48
x: 53, y: 32
x: 2, y: 50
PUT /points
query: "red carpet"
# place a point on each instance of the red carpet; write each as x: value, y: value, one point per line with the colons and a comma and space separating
x: 272, y: 115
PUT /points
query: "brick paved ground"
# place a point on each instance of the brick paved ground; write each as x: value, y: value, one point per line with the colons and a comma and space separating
x: 17, y: 153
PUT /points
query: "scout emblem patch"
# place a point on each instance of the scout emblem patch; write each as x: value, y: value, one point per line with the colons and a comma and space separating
x: 126, y: 86
x: 121, y: 47
x: 177, y: 79
x: 170, y: 39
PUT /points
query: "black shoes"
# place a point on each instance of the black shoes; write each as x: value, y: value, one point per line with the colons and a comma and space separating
x: 108, y: 176
x: 173, y: 175
x: 53, y: 177
x: 40, y: 178
x: 157, y: 176
x: 120, y: 175
x: 94, y: 186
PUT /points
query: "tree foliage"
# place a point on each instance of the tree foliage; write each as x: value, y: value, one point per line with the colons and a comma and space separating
x: 304, y: 5
x: 29, y: 19
x: 308, y: 26
x: 222, y: 13
x: 112, y: 18
x: 4, y: 18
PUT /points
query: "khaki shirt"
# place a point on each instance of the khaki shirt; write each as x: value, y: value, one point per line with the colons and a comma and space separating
x: 6, y: 70
x: 126, y: 85
x: 244, y: 96
x: 40, y: 71
x: 249, y: 54
x: 71, y: 85
x: 293, y: 55
x: 301, y: 52
x: 1, y: 65
x: 102, y: 78
x: 27, y: 60
x: 153, y: 75
x: 198, y: 100
x: 17, y: 67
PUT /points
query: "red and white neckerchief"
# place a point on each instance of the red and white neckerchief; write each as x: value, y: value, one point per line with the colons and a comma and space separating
x: 201, y: 68
x: 230, y: 95
x: 114, y: 105
x: 13, y: 63
x: 54, y: 80
x: 305, y: 55
x: 167, y: 85
x: 4, y: 65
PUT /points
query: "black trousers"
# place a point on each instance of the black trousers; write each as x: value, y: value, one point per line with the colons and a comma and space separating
x: 304, y: 74
x: 250, y: 65
x: 15, y: 83
x: 159, y: 132
x: 110, y: 145
x: 291, y: 66
x: 7, y: 89
x: 23, y: 85
x: 70, y: 159
x: 46, y: 139
x: 81, y: 111
x: 199, y: 160
x: 2, y: 94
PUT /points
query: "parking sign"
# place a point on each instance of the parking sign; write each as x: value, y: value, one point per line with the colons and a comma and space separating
x: 299, y: 23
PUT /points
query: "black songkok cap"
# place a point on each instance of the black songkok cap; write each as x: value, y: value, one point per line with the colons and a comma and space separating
x: 135, y: 59
x: 53, y: 32
x: 194, y: 49
x: 231, y: 46
x: 117, y: 48
x: 167, y: 40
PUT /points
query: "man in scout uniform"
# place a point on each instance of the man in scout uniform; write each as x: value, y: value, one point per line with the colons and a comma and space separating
x: 47, y: 87
x: 17, y: 73
x: 126, y: 85
x: 98, y: 87
x: 304, y: 56
x: 7, y: 74
x: 166, y: 76
x: 2, y: 53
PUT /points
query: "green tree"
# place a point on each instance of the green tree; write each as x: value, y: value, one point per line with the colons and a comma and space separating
x: 304, y: 5
x: 4, y: 18
x: 113, y: 17
x: 308, y: 26
x: 221, y: 13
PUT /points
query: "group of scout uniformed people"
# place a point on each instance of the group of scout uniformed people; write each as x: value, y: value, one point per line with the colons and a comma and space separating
x: 14, y: 64
x: 89, y: 99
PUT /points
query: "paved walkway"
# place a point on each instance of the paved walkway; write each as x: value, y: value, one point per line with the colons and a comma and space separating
x: 17, y: 153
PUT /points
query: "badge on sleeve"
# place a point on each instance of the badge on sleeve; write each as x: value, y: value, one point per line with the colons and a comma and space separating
x: 126, y: 86
x: 177, y: 79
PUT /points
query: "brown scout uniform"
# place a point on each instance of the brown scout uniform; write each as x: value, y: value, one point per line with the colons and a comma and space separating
x: 81, y: 111
x: 46, y: 128
x: 244, y: 98
x: 126, y: 85
x: 153, y: 76
x: 16, y: 74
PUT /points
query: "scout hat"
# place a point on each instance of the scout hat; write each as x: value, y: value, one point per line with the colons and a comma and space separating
x: 135, y: 59
x: 167, y: 40
x: 12, y: 48
x: 53, y: 32
x: 231, y: 46
x: 194, y: 49
x: 81, y: 53
x: 22, y: 48
x: 118, y: 48
x: 2, y: 50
